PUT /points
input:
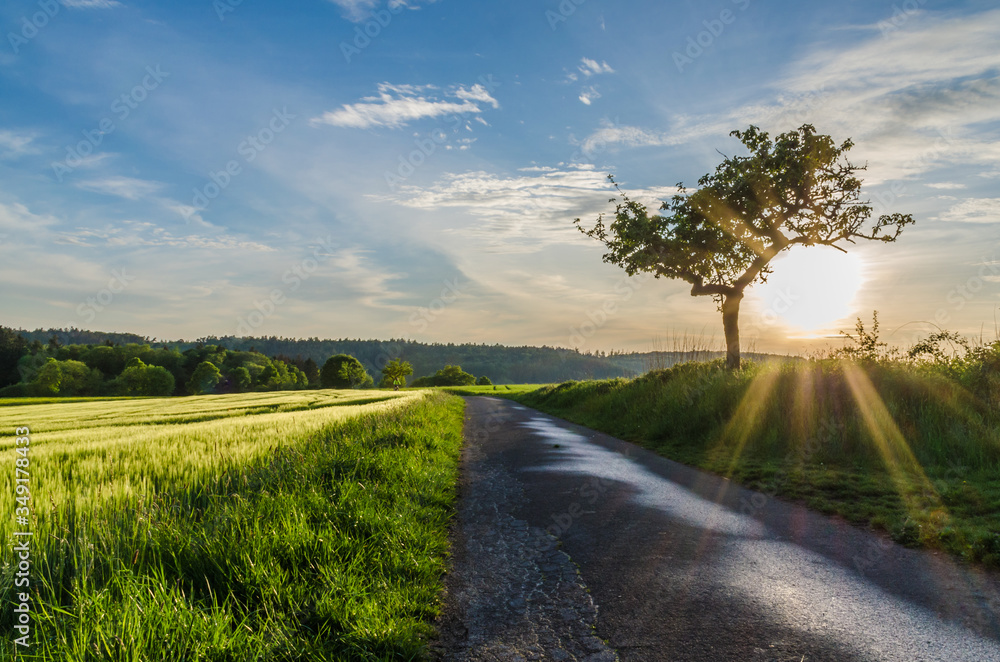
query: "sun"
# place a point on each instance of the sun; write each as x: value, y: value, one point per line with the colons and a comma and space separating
x: 811, y: 288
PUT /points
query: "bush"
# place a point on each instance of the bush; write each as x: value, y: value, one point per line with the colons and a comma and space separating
x: 450, y: 375
x: 484, y: 381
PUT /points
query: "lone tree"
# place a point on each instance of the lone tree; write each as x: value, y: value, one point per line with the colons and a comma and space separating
x: 798, y: 189
x: 395, y: 372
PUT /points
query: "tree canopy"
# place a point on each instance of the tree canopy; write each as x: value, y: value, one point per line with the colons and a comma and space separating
x: 395, y: 372
x: 798, y: 189
x: 344, y: 371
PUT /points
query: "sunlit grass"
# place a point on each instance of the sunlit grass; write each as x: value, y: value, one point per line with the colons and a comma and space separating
x: 315, y: 531
x: 896, y: 446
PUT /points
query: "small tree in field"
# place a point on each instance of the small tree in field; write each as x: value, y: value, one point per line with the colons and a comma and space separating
x: 798, y: 189
x: 395, y: 372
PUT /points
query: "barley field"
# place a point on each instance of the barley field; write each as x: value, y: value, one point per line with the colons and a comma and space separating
x: 263, y: 526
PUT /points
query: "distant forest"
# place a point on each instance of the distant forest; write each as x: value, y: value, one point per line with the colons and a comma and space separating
x: 274, y: 362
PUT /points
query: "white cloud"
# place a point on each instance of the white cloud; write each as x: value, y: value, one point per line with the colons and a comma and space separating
x: 398, y: 105
x: 525, y: 212
x: 630, y: 136
x: 974, y: 210
x: 123, y: 187
x: 925, y: 98
x: 352, y: 270
x: 361, y: 10
x: 946, y: 185
x: 141, y: 233
x: 588, y: 95
x: 91, y: 4
x: 13, y: 145
x: 590, y: 67
x: 18, y: 220
x: 476, y: 93
x: 356, y: 10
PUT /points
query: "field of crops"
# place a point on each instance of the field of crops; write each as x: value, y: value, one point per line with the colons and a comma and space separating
x: 287, y: 525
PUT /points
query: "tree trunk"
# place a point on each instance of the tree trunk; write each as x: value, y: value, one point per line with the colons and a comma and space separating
x: 731, y: 325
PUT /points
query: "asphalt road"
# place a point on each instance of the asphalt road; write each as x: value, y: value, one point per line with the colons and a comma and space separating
x: 683, y: 565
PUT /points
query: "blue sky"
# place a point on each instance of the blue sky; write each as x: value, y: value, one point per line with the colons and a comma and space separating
x: 359, y: 168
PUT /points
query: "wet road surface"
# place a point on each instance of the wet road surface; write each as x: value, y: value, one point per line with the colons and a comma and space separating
x: 683, y: 565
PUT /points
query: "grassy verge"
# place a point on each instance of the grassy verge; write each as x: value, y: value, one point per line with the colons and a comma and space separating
x: 327, y: 542
x: 903, y: 449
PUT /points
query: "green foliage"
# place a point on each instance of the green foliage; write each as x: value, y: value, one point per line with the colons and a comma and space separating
x: 344, y: 371
x: 866, y: 345
x: 139, y: 369
x: 395, y: 373
x: 140, y: 379
x: 66, y: 378
x: 450, y: 375
x: 12, y: 347
x: 204, y: 379
x: 484, y: 381
x: 241, y: 379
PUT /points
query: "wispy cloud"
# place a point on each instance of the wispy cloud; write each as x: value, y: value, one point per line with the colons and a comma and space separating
x: 522, y: 213
x: 91, y: 4
x: 13, y: 145
x: 398, y: 105
x: 611, y: 134
x: 123, y: 187
x: 360, y: 10
x: 588, y: 95
x: 925, y: 97
x: 590, y: 67
x: 141, y: 233
x: 974, y: 210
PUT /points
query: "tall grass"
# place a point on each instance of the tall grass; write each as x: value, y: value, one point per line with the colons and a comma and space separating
x: 228, y: 533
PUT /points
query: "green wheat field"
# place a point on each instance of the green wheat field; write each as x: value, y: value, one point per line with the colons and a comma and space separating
x: 264, y: 526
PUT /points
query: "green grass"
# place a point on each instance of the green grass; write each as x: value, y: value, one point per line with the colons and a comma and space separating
x: 500, y: 390
x: 899, y: 447
x: 270, y: 526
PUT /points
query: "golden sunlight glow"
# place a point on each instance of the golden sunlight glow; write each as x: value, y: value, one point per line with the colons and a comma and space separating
x: 908, y: 477
x: 810, y: 289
